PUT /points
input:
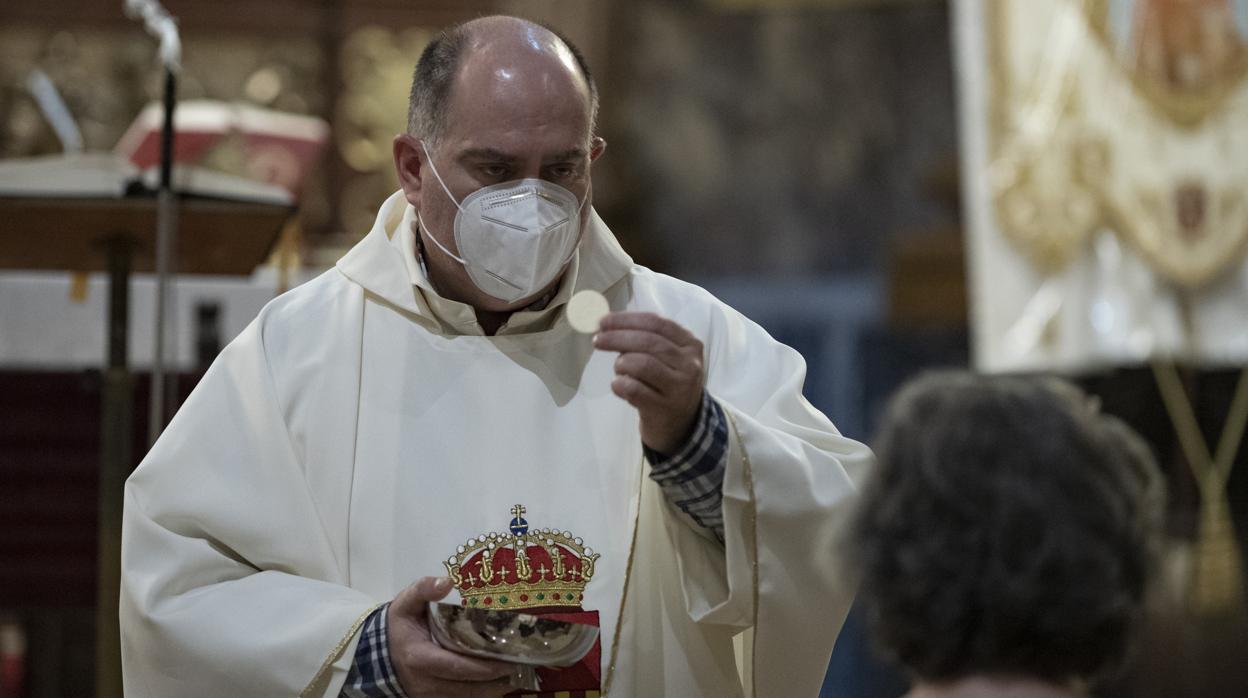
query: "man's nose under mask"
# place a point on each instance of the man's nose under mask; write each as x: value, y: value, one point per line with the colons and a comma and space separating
x: 514, y: 237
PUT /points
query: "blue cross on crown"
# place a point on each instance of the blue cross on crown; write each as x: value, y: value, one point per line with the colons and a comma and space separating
x: 519, y: 526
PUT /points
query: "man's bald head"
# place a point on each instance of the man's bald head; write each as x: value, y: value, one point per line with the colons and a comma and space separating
x: 504, y: 38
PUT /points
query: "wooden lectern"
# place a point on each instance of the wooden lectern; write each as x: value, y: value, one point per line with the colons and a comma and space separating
x: 93, y: 213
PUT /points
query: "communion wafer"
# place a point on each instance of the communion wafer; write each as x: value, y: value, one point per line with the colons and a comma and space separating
x: 586, y: 310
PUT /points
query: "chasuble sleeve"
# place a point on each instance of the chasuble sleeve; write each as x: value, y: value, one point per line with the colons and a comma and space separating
x: 790, y: 478
x: 230, y: 584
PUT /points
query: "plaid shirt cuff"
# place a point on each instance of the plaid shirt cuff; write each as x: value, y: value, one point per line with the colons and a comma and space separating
x: 693, y: 478
x: 372, y: 675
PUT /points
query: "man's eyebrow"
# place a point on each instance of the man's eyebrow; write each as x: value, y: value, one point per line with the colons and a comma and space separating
x: 486, y: 154
x: 495, y: 155
x: 570, y: 154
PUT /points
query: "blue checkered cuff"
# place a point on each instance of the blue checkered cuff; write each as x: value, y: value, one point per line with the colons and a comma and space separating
x: 372, y: 675
x: 692, y: 479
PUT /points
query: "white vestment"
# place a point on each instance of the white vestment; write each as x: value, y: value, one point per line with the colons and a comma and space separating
x: 351, y: 438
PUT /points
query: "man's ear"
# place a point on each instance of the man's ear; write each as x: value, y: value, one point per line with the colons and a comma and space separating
x: 596, y: 145
x: 409, y: 164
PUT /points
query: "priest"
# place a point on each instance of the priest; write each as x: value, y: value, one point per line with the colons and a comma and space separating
x: 422, y: 423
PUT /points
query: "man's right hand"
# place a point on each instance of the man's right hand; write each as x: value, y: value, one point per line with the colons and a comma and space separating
x: 424, y: 668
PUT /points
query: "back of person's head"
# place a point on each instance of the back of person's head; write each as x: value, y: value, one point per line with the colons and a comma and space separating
x: 1010, y: 530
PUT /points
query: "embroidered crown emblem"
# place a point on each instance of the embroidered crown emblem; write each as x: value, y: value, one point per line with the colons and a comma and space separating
x: 522, y: 568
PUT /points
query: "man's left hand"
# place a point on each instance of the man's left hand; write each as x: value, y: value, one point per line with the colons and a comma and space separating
x: 659, y: 371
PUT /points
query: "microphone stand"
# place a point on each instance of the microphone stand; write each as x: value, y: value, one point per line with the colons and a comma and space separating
x: 115, y: 462
x: 161, y: 25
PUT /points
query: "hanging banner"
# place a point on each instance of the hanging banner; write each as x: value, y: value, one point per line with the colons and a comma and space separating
x: 1105, y: 171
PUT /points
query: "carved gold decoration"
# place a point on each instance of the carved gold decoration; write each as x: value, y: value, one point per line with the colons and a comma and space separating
x: 1086, y: 138
x: 377, y: 65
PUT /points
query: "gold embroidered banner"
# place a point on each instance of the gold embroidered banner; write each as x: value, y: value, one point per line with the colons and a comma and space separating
x: 1109, y: 149
x: 1127, y: 113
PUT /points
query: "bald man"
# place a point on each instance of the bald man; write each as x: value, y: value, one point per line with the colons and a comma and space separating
x: 423, y: 424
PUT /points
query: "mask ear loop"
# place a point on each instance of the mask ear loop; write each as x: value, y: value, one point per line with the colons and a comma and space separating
x: 580, y: 234
x: 429, y: 160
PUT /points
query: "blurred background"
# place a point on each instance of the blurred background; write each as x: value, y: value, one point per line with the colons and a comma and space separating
x: 885, y: 185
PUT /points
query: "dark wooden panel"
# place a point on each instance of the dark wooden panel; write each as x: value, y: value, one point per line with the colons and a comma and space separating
x: 49, y: 453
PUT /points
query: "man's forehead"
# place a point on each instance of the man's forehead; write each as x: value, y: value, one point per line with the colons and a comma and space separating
x: 518, y: 94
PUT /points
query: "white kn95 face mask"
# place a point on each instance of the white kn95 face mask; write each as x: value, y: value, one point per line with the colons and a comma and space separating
x: 514, y: 237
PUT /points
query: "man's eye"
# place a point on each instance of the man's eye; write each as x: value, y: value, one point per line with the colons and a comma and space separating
x: 562, y: 171
x: 494, y: 171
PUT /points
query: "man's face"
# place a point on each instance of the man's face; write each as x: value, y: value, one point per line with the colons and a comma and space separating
x: 508, y: 118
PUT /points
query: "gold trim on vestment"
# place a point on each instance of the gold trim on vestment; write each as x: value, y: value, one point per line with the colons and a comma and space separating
x: 628, y: 574
x: 337, y: 651
x: 751, y: 520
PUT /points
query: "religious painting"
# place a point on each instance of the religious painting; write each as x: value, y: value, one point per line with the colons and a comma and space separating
x: 1107, y: 149
x: 1185, y: 56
